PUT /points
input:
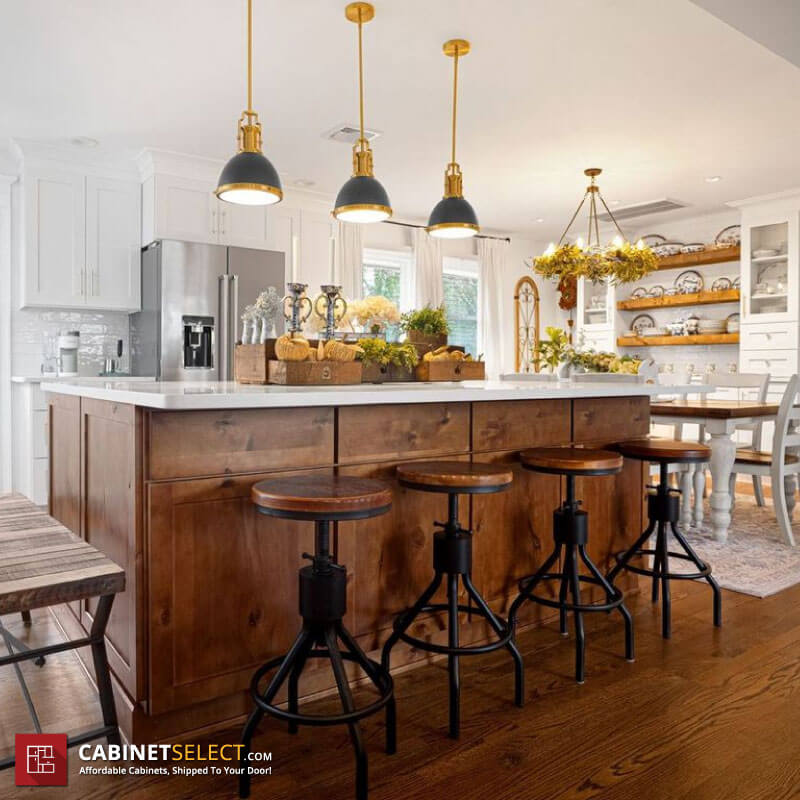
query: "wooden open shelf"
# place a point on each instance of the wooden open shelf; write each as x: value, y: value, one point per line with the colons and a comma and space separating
x: 674, y: 301
x: 675, y: 341
x: 716, y: 255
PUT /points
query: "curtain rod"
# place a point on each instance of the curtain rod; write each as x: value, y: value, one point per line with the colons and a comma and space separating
x: 477, y: 236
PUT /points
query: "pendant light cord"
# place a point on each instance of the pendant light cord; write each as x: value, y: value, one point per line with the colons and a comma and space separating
x: 250, y: 57
x: 455, y: 104
x: 360, y: 79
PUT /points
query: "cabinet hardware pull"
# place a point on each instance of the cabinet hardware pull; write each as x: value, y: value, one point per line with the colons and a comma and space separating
x: 213, y: 222
x: 222, y: 222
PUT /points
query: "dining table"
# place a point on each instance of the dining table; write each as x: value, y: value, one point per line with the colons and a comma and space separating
x: 720, y: 419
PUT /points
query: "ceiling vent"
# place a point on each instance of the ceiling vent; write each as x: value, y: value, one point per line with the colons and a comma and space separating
x: 349, y: 134
x: 643, y: 209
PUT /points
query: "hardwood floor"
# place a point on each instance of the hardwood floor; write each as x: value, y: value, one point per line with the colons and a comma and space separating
x: 711, y: 714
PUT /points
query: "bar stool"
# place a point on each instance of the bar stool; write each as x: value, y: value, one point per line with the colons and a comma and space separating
x: 571, y: 533
x: 322, y: 606
x: 452, y: 556
x: 663, y: 509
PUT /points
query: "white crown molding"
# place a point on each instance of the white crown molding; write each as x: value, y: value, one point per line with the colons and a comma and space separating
x: 764, y: 198
x: 91, y: 161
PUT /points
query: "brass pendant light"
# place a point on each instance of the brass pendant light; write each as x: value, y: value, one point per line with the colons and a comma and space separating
x: 453, y: 217
x: 362, y: 198
x: 249, y: 178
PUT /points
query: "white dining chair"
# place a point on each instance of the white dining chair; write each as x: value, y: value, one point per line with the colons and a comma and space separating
x: 781, y: 465
x: 749, y: 386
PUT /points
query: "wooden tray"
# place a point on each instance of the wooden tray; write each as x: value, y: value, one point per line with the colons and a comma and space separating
x: 314, y: 373
x: 250, y: 362
x: 451, y: 371
x: 375, y: 373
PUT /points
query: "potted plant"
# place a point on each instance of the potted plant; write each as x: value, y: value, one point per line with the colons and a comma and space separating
x: 426, y: 326
x: 556, y: 349
x: 387, y: 361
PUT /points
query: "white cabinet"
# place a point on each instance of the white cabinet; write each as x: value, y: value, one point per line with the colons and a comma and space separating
x: 186, y: 209
x: 81, y: 237
x: 30, y: 446
x: 316, y: 229
x: 55, y: 239
x: 594, y: 327
x: 113, y: 253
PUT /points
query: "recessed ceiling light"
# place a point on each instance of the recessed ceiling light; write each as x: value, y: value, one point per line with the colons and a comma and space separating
x: 713, y: 178
x: 614, y: 202
x: 84, y: 141
x: 304, y: 182
x: 540, y: 219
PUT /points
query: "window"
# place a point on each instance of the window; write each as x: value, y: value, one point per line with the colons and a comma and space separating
x: 460, y: 284
x: 389, y: 273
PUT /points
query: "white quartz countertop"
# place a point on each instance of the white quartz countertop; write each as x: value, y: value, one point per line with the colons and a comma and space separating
x: 221, y: 395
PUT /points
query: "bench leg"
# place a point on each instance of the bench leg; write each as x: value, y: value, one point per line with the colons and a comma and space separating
x: 101, y: 669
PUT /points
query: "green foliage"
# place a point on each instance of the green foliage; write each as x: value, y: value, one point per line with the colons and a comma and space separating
x: 430, y: 321
x: 623, y: 263
x: 554, y: 349
x: 378, y: 351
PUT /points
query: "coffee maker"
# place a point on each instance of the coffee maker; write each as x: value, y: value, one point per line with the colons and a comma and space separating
x: 68, y: 344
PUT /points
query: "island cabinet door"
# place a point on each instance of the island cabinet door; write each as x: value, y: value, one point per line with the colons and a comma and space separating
x: 513, y: 529
x: 111, y: 521
x: 222, y: 596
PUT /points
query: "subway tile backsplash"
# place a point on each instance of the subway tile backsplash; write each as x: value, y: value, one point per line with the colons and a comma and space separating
x: 99, y: 333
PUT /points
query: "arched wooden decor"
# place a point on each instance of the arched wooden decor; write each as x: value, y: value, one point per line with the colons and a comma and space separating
x: 526, y: 325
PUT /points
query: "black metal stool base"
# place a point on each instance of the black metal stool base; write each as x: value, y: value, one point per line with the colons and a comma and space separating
x: 322, y: 605
x: 452, y: 557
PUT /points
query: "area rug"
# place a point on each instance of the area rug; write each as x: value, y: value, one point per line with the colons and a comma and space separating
x: 755, y: 560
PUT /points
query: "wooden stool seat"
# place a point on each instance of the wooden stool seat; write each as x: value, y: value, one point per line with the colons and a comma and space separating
x: 666, y: 451
x: 571, y: 461
x: 322, y: 497
x: 458, y: 477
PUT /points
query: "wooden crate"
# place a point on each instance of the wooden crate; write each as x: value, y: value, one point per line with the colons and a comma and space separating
x: 250, y: 362
x: 451, y: 371
x: 375, y: 373
x: 314, y: 373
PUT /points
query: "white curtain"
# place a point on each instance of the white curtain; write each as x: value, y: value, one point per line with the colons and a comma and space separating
x: 492, y: 257
x: 348, y: 259
x: 428, y: 269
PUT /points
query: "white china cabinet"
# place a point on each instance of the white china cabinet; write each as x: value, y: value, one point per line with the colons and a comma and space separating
x: 595, y: 315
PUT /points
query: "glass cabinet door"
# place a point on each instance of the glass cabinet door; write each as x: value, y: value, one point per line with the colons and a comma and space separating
x: 768, y: 271
x: 594, y: 304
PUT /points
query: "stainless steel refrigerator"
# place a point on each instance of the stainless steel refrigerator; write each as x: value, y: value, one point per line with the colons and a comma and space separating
x: 192, y: 298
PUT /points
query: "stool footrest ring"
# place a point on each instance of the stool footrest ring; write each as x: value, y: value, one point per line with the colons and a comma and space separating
x: 647, y: 571
x: 386, y: 694
x: 609, y: 605
x: 470, y: 650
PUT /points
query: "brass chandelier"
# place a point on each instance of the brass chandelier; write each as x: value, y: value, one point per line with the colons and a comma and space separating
x: 619, y: 261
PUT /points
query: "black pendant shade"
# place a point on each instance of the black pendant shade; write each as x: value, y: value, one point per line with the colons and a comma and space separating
x: 453, y: 218
x: 252, y: 178
x: 362, y: 199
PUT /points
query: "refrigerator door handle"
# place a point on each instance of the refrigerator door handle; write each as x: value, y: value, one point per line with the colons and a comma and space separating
x: 234, y: 320
x: 223, y: 326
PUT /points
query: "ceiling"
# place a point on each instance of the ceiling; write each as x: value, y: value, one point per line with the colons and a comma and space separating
x: 660, y: 93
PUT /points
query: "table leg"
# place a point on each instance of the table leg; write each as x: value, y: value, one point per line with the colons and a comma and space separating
x: 723, y: 454
x: 686, y: 495
x: 699, y: 488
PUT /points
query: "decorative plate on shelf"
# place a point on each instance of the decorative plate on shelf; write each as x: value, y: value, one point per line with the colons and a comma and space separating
x: 721, y: 284
x: 689, y: 282
x: 737, y: 283
x: 667, y: 249
x: 694, y: 247
x: 638, y: 293
x: 656, y: 291
x: 729, y: 237
x: 641, y: 322
x: 653, y: 239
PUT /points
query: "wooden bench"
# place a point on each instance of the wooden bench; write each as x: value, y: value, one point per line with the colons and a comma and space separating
x: 43, y: 564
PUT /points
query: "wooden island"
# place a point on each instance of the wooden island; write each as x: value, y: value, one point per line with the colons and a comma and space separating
x: 158, y: 477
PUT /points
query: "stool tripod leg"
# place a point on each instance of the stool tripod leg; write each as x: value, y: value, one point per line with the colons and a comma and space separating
x: 337, y: 664
x: 519, y: 669
x: 363, y: 660
x: 294, y: 678
x: 631, y: 551
x: 656, y: 572
x: 402, y: 624
x: 700, y: 564
x: 258, y: 713
x: 662, y: 546
x: 452, y: 660
x: 609, y: 590
x: 571, y: 568
x: 525, y: 593
x: 562, y: 598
